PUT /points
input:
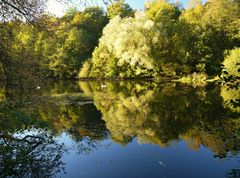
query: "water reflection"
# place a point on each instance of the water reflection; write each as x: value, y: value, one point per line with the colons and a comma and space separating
x: 30, y: 154
x: 162, y: 114
x: 32, y: 120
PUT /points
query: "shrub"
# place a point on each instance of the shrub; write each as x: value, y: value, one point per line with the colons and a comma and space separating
x: 231, y: 63
x: 85, y: 70
x: 231, y: 98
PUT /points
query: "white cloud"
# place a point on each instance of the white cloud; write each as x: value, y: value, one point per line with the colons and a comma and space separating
x: 55, y: 7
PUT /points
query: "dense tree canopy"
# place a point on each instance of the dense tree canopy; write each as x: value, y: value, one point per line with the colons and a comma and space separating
x: 165, y: 40
x: 119, y: 8
x: 177, y: 41
x: 78, y: 38
x: 127, y: 49
x: 231, y: 63
x: 57, y: 51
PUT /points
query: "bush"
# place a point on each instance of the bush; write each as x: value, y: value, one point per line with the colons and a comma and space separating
x: 231, y: 63
x: 104, y: 63
x: 85, y: 70
x: 231, y: 98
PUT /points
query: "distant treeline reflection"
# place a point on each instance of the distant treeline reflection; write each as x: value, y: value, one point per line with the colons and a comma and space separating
x: 154, y: 113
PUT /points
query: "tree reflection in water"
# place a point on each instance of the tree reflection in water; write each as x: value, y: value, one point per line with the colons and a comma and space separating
x: 160, y: 114
x: 30, y: 155
x: 89, y: 113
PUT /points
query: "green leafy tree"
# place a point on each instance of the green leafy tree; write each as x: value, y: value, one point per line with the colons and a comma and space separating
x: 173, y: 47
x: 223, y: 18
x: 231, y: 98
x: 85, y: 70
x: 79, y: 38
x: 129, y: 46
x: 14, y: 10
x: 161, y: 11
x: 119, y: 8
x: 215, y: 26
x: 231, y: 63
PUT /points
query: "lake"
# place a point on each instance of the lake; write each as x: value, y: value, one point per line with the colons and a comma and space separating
x: 119, y: 129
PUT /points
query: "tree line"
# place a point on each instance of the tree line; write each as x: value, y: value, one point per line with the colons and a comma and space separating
x: 163, y: 40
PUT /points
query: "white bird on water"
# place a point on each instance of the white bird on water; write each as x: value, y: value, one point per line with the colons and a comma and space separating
x: 103, y: 86
x: 161, y: 163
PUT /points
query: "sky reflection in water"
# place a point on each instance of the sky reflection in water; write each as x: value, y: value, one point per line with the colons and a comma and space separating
x: 124, y: 129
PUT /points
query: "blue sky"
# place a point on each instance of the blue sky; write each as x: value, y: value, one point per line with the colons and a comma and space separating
x: 139, y: 4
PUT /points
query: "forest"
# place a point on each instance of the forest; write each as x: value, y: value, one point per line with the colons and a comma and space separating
x: 114, y: 79
x: 164, y: 41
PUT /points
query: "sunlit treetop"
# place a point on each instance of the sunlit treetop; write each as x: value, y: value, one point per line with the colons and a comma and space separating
x: 194, y: 3
x: 192, y: 15
x: 119, y: 8
x: 162, y: 10
x: 221, y: 12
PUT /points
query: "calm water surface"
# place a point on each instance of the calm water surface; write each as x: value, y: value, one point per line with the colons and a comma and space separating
x: 119, y: 129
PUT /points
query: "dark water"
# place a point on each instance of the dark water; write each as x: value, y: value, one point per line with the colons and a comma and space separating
x: 119, y: 129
